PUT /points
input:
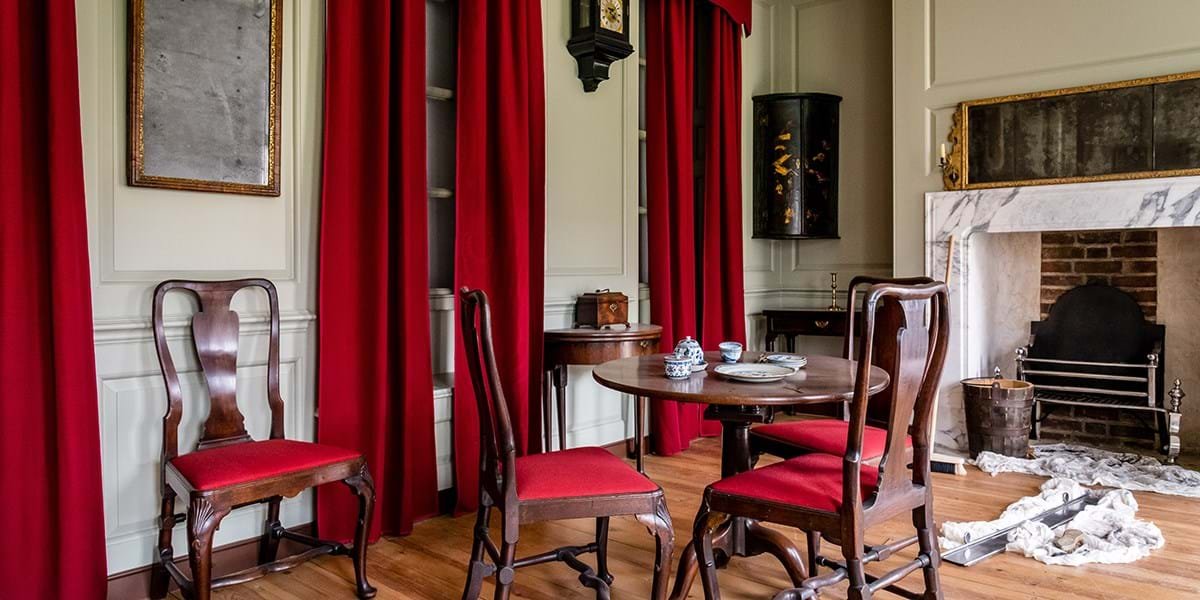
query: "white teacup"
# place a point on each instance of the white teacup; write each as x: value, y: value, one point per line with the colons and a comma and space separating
x: 731, y: 352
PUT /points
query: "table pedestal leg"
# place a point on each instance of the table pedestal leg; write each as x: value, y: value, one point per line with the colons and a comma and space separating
x: 738, y: 536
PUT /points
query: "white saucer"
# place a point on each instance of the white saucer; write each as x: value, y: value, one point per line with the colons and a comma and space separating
x: 788, y: 360
x: 700, y: 367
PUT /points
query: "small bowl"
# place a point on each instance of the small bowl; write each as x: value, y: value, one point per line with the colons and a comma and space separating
x: 677, y: 367
x: 731, y: 352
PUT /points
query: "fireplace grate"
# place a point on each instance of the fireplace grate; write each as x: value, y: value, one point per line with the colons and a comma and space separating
x: 1092, y: 399
x: 1097, y: 349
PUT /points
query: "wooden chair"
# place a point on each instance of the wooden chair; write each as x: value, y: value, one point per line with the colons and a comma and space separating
x: 796, y: 438
x: 842, y: 495
x: 567, y: 484
x: 228, y: 469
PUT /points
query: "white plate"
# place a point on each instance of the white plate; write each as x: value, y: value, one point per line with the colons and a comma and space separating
x: 700, y: 367
x: 754, y: 373
x: 787, y: 360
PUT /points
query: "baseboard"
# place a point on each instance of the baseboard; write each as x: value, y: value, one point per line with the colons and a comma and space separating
x: 134, y: 584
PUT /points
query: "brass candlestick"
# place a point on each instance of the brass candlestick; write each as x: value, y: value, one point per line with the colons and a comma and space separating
x: 833, y: 305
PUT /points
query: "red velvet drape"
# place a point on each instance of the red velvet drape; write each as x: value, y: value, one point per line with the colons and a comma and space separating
x: 375, y: 380
x: 670, y: 200
x: 723, y: 311
x: 50, y: 509
x: 673, y: 220
x: 500, y: 206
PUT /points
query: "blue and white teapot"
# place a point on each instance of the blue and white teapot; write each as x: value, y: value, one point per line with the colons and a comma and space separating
x: 691, y: 349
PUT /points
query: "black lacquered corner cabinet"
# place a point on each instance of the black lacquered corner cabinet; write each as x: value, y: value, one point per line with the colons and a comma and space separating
x: 796, y: 166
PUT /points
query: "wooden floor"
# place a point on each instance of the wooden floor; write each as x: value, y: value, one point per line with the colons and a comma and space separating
x: 430, y: 564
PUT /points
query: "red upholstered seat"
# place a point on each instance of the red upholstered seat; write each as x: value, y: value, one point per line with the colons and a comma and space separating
x: 827, y: 436
x: 251, y: 461
x: 812, y: 481
x: 577, y: 472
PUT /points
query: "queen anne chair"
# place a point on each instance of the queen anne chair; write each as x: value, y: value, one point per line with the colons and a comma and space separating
x: 841, y: 495
x: 228, y: 469
x: 828, y: 436
x: 567, y: 484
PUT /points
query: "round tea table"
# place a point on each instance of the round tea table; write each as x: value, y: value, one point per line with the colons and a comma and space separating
x: 737, y: 405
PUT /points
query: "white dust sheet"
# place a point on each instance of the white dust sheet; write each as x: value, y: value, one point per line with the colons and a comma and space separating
x: 1092, y: 466
x: 1108, y: 532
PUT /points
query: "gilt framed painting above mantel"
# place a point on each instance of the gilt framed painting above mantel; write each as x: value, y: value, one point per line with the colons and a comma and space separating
x: 204, y: 95
x: 1134, y: 129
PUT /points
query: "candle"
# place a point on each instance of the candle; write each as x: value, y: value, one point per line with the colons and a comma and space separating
x: 943, y: 152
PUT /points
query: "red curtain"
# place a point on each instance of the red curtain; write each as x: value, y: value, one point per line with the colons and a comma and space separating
x: 723, y: 311
x: 500, y: 206
x: 670, y: 200
x: 677, y: 290
x: 375, y: 377
x: 738, y: 10
x: 50, y: 448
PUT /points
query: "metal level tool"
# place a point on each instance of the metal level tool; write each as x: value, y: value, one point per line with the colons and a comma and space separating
x: 975, y: 551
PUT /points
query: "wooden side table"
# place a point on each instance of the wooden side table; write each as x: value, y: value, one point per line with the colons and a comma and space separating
x: 793, y: 322
x: 592, y: 347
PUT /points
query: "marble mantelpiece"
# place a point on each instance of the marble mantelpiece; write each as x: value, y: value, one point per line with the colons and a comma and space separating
x: 952, y: 220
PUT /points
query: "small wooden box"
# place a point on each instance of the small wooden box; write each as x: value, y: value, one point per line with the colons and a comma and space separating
x: 602, y: 308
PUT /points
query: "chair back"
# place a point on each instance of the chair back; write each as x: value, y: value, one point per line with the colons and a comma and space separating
x: 497, y: 448
x: 884, y: 348
x: 919, y: 356
x: 215, y: 331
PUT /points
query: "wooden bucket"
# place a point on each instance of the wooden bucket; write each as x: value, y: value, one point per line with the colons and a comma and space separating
x: 999, y: 415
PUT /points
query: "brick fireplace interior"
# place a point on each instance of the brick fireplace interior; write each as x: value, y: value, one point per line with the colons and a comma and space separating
x: 1123, y: 259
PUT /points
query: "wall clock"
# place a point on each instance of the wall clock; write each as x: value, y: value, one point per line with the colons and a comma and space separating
x: 599, y: 37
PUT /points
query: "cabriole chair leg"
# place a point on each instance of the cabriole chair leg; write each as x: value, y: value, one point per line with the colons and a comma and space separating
x: 702, y: 537
x: 659, y: 524
x: 364, y: 487
x: 203, y: 519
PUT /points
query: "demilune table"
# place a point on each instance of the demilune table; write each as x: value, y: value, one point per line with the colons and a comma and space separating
x: 737, y: 405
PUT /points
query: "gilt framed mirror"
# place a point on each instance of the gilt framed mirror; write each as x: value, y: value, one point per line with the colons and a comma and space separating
x: 204, y: 100
x: 1133, y: 129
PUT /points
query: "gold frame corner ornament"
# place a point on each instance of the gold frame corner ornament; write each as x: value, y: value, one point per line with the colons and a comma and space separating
x: 136, y: 105
x: 956, y: 168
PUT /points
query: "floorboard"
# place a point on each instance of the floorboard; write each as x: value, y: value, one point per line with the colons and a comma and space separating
x: 430, y: 563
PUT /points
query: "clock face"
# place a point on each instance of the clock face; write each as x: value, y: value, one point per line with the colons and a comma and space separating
x: 612, y: 15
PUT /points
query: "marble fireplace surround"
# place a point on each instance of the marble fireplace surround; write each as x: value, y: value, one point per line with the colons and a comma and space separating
x: 982, y: 270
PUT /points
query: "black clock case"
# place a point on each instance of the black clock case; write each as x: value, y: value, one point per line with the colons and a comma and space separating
x: 596, y: 48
